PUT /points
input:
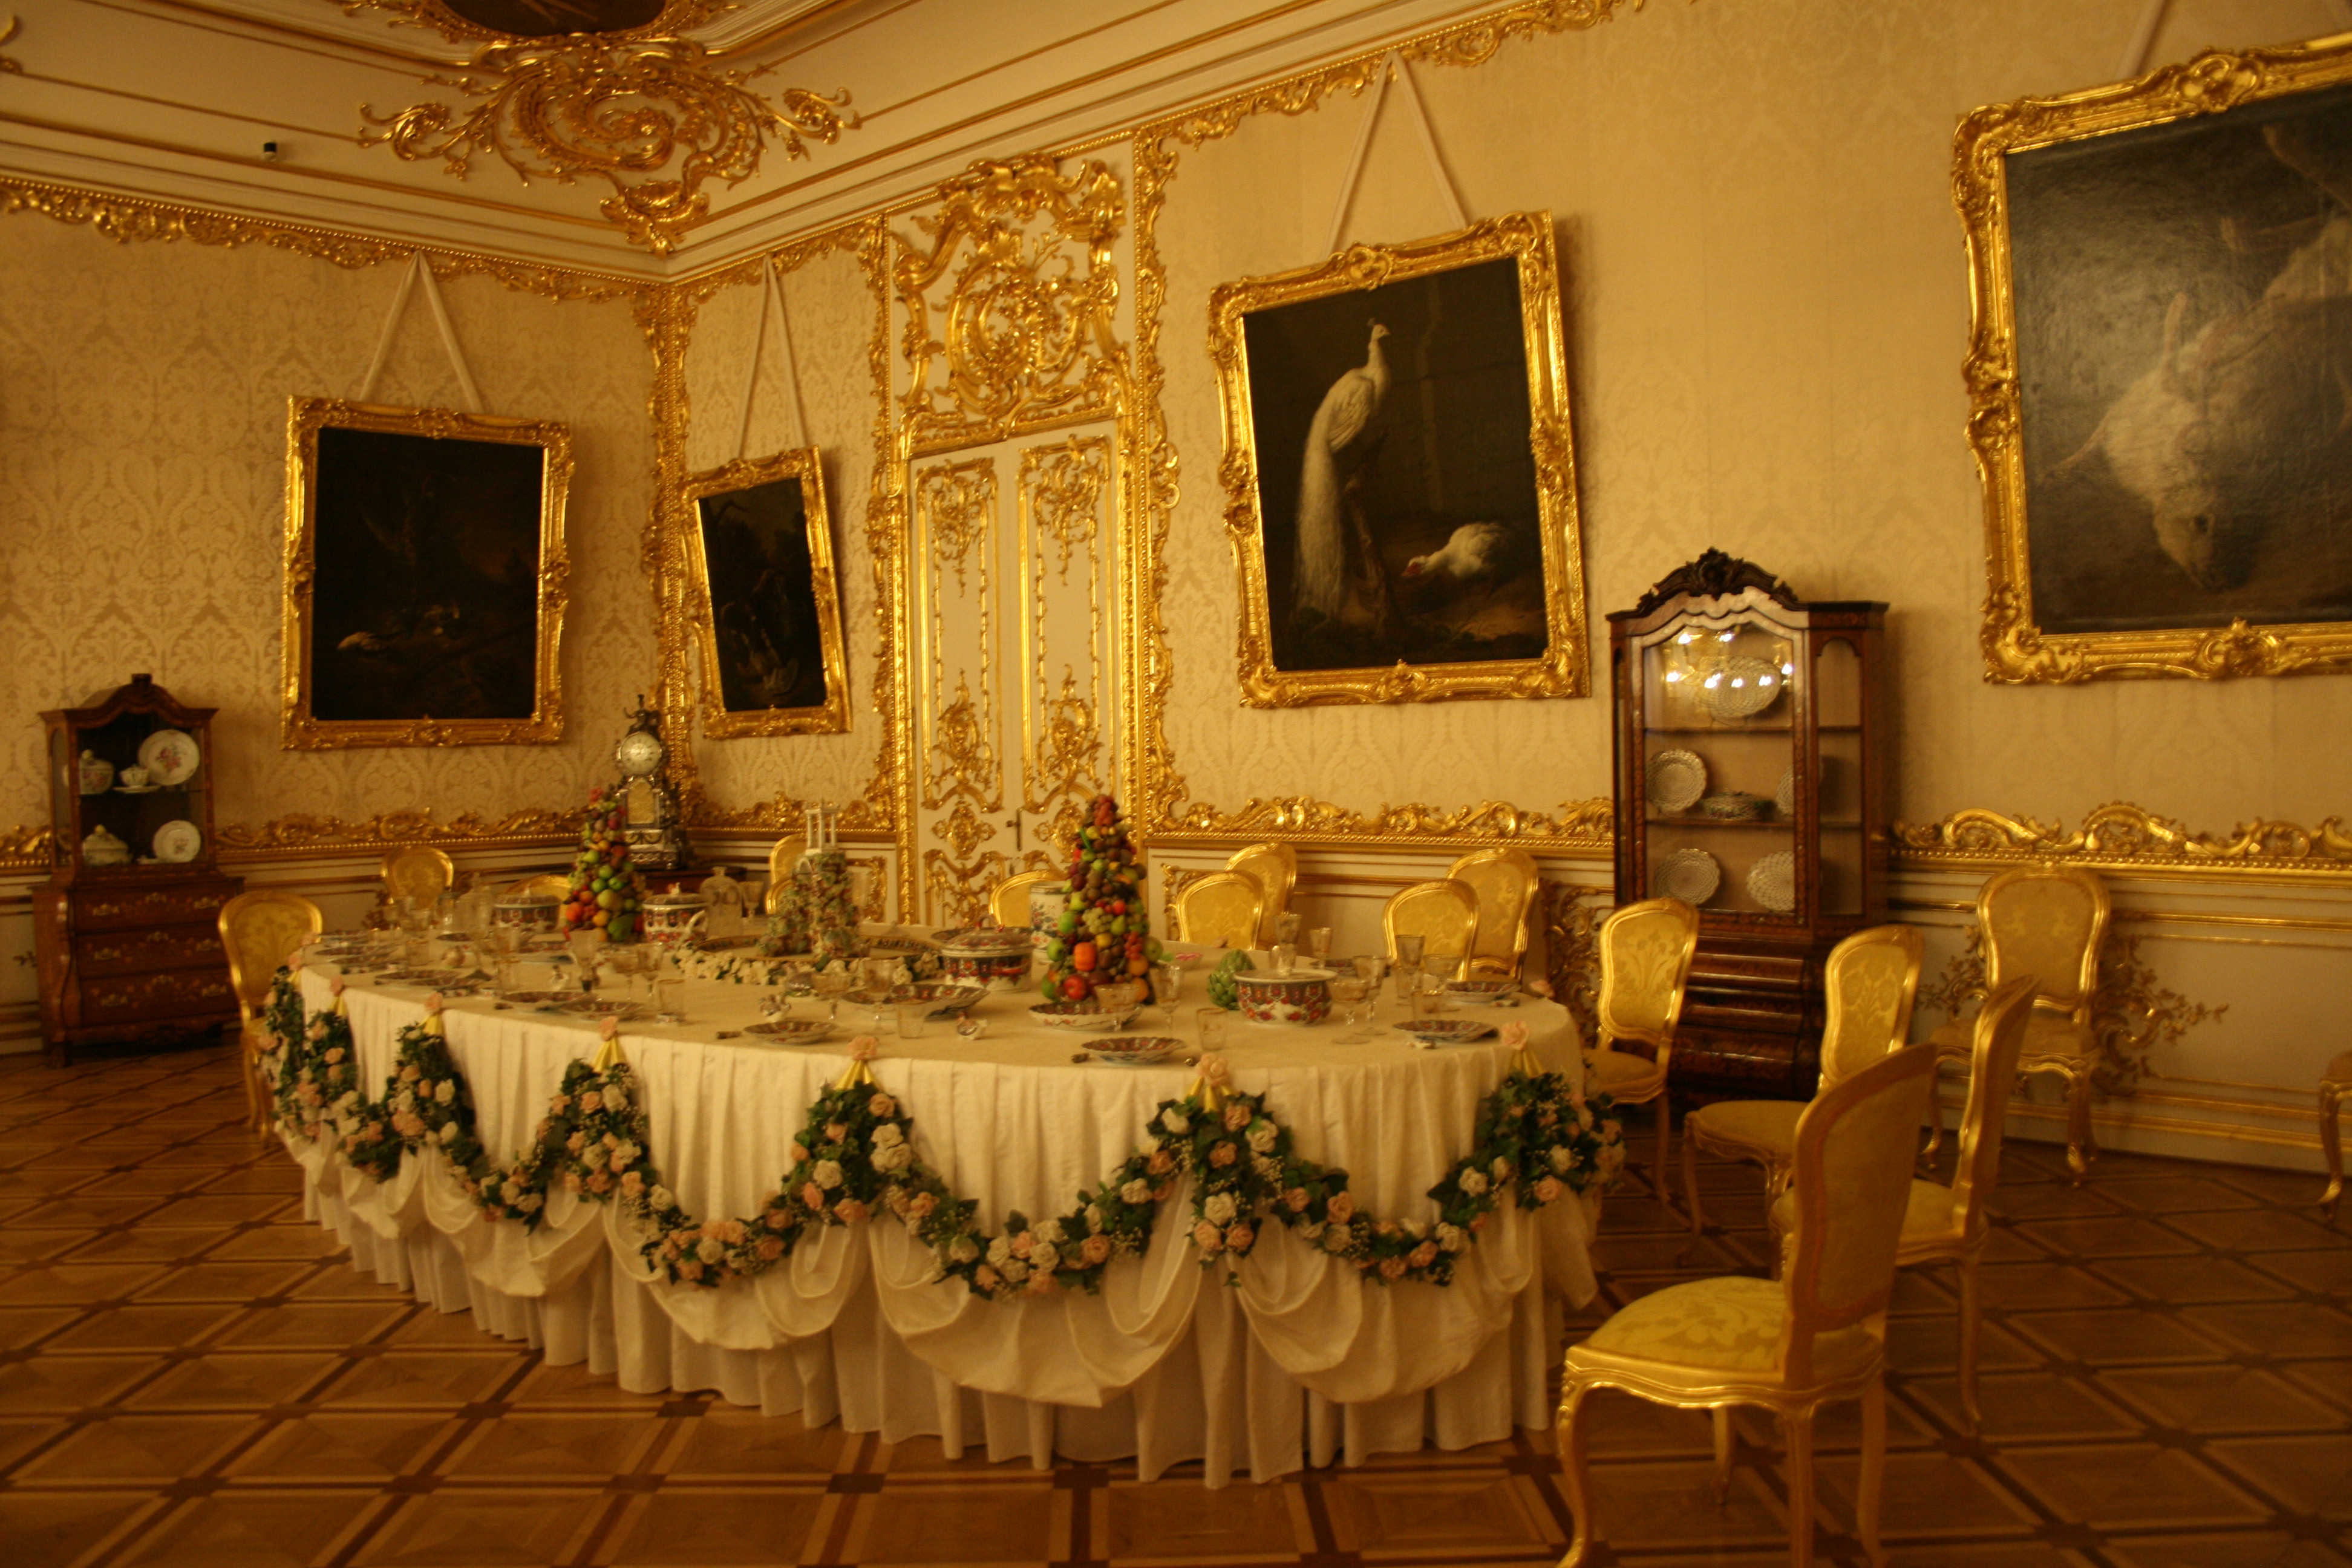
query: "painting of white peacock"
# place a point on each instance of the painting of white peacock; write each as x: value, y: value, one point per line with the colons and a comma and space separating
x: 1404, y: 509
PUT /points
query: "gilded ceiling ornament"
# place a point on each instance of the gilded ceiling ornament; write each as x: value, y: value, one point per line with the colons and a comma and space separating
x: 1023, y: 334
x: 621, y: 104
x: 11, y: 66
x: 2122, y: 835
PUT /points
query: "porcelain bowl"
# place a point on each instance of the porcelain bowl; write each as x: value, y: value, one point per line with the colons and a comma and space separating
x: 1136, y: 1050
x: 526, y: 914
x: 1082, y: 1017
x: 1302, y: 997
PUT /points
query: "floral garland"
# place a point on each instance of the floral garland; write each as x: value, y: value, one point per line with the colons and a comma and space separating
x: 1537, y: 1138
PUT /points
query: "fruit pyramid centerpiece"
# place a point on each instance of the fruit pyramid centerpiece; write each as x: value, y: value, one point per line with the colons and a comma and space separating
x: 607, y: 890
x: 1104, y: 935
x: 814, y: 912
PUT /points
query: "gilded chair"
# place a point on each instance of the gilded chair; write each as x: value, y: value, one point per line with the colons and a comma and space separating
x: 780, y: 862
x: 1873, y: 978
x: 2335, y: 1089
x: 261, y: 930
x: 1444, y: 914
x: 1949, y: 1225
x: 417, y: 872
x: 1010, y: 902
x: 1814, y: 1337
x: 1276, y: 869
x: 1223, y: 909
x: 1646, y: 957
x: 2047, y: 921
x: 538, y: 885
x: 1505, y: 881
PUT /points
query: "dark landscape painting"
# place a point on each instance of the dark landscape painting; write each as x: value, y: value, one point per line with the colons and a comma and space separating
x: 1396, y: 481
x: 766, y: 627
x: 426, y: 600
x: 2184, y: 321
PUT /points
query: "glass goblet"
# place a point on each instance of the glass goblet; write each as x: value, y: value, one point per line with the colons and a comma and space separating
x: 1349, y: 992
x: 1408, y: 950
x: 1286, y: 928
x: 1318, y: 946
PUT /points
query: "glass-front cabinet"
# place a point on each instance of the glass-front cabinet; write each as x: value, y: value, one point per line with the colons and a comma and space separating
x: 1749, y: 784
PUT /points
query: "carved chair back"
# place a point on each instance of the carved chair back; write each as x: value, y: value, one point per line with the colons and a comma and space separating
x: 261, y: 930
x: 1872, y: 980
x: 1223, y: 909
x: 1993, y: 1073
x: 1505, y: 881
x: 1646, y: 957
x: 1442, y: 913
x: 418, y: 872
x: 2050, y: 922
x: 1010, y: 902
x: 1276, y: 869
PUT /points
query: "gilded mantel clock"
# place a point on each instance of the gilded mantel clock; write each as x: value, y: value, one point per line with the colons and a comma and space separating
x: 648, y: 805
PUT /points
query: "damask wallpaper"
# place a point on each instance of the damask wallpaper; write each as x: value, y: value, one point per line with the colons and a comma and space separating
x: 1767, y: 307
x: 142, y: 459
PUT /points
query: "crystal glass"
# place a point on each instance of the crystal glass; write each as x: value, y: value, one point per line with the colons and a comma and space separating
x: 1167, y: 985
x: 910, y: 1020
x: 1318, y: 945
x: 670, y: 993
x: 1408, y: 980
x: 1286, y: 957
x: 831, y: 985
x: 583, y: 945
x: 1286, y: 928
x: 1442, y: 966
x: 1349, y: 992
x: 1428, y: 997
x: 1212, y: 1024
x: 1370, y: 967
x: 1408, y: 950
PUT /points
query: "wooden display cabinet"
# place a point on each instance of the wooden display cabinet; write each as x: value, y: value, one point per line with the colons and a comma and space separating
x: 1721, y: 671
x: 129, y: 951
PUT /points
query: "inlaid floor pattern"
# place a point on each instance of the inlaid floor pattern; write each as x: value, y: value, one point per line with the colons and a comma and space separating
x: 190, y: 1376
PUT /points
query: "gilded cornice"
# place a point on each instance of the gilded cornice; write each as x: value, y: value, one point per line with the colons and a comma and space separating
x: 127, y: 219
x: 1581, y: 829
x: 2122, y: 837
x: 307, y: 835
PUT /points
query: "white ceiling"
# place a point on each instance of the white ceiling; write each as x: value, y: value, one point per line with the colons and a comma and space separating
x: 172, y: 99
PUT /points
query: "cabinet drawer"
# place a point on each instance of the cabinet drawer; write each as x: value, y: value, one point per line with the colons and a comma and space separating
x: 173, y: 994
x: 99, y: 909
x: 137, y: 948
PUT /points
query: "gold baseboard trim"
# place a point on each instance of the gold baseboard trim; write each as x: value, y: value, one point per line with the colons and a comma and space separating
x: 2103, y: 1121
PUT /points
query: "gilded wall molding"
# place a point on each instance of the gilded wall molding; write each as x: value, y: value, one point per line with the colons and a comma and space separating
x: 310, y: 837
x: 2125, y: 837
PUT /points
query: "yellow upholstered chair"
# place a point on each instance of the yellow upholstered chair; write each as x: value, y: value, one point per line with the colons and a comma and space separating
x: 781, y: 860
x: 1646, y: 956
x: 2335, y: 1089
x: 418, y: 872
x: 538, y: 885
x: 1223, y: 909
x: 261, y: 930
x: 1444, y: 914
x: 2050, y: 923
x: 1872, y: 979
x: 1276, y: 869
x: 1505, y: 882
x: 1815, y: 1336
x: 1010, y: 902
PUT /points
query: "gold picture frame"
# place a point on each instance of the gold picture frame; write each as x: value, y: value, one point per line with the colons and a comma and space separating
x: 1499, y: 274
x: 766, y: 654
x: 2054, y: 638
x: 433, y: 552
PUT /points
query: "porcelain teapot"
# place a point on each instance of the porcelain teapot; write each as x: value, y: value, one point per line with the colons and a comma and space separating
x: 97, y: 773
x: 103, y: 849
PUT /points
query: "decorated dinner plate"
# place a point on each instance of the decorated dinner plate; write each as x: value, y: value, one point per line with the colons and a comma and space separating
x: 1785, y: 797
x: 724, y: 944
x: 1675, y: 780
x: 791, y: 1031
x: 431, y: 979
x: 1690, y: 874
x: 1480, y: 991
x: 1444, y: 1031
x: 602, y: 1008
x: 1773, y: 881
x: 179, y: 841
x: 1083, y: 1017
x: 1742, y: 688
x: 538, y: 998
x: 170, y: 757
x: 944, y: 998
x: 1135, y: 1050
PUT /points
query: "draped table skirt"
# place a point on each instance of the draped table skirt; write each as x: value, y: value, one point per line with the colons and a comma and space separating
x: 1296, y: 1361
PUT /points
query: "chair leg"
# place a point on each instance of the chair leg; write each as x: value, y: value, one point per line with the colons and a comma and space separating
x: 1722, y: 1454
x: 2331, y: 1143
x: 2081, y: 1150
x: 1971, y: 1310
x: 1690, y: 1180
x: 1874, y: 1469
x: 1800, y: 1424
x: 1666, y: 1148
x: 1935, y: 1116
x: 1573, y: 1479
x: 256, y: 1096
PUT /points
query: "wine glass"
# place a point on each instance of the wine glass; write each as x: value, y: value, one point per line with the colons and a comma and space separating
x: 1349, y: 992
x: 832, y: 984
x: 1286, y: 928
x: 1408, y: 950
x: 1166, y: 986
x: 1318, y: 946
x: 583, y: 945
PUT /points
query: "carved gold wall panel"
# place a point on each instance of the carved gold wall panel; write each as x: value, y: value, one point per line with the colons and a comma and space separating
x: 1069, y: 700
x: 2125, y: 837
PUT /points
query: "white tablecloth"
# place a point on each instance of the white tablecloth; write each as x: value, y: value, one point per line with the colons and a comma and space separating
x: 1300, y: 1361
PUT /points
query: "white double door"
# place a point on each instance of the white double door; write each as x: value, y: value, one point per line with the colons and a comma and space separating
x: 1013, y: 561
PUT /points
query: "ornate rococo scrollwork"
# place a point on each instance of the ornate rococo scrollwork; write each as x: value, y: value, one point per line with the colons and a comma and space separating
x: 1713, y: 575
x: 620, y: 107
x: 1023, y: 334
x: 1572, y: 955
x: 2016, y: 650
x: 2125, y: 836
x: 1582, y: 827
x: 533, y: 825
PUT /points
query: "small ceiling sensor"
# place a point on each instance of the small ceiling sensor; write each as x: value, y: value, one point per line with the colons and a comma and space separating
x: 270, y: 151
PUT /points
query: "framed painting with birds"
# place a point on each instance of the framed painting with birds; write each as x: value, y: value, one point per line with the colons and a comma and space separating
x: 2160, y: 369
x: 766, y: 608
x: 1401, y: 482
x: 425, y: 577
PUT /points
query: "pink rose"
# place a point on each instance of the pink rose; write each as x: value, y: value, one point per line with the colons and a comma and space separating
x: 1295, y: 1200
x: 1042, y: 1283
x: 812, y: 1195
x: 1237, y: 1115
x: 771, y: 1249
x: 1161, y: 1163
x: 1023, y: 1243
x: 1343, y: 1208
x: 633, y: 1183
x: 883, y: 1105
x: 602, y: 1182
x: 1095, y: 1248
x: 834, y: 1131
x: 984, y: 1277
x: 1514, y: 1036
x: 799, y: 1156
x: 863, y: 1048
x: 849, y: 1211
x: 1222, y: 1155
x: 1207, y: 1237
x: 687, y: 1268
x: 1239, y: 1236
x: 557, y: 1106
x: 1547, y: 1190
x: 921, y: 1205
x: 1424, y: 1255
x: 1391, y: 1267
x: 1480, y: 1223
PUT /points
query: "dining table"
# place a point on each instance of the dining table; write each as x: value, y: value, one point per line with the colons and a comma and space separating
x: 1253, y: 1366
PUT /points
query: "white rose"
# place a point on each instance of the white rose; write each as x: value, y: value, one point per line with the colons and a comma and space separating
x: 1472, y: 1184
x: 1338, y: 1238
x: 1175, y: 1121
x: 1452, y: 1238
x: 1051, y: 1231
x: 1270, y: 1169
x: 1220, y: 1208
x: 625, y: 1152
x: 1415, y: 1228
x: 1014, y: 1270
x: 963, y: 1249
x: 999, y: 1251
x: 403, y: 1101
x: 895, y: 1158
x: 1135, y: 1192
x: 1563, y: 1160
x: 711, y: 1249
x: 445, y: 1091
x: 1261, y: 1138
x: 1095, y: 1218
x: 827, y: 1174
x: 528, y: 1203
x: 614, y: 1100
x: 448, y: 1133
x: 660, y: 1198
x: 888, y: 1134
x: 1312, y: 1230
x: 1044, y: 1256
x: 1500, y: 1170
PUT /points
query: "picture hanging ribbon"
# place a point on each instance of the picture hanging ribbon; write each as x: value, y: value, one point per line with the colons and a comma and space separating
x: 419, y: 270
x: 772, y: 303
x: 1393, y: 63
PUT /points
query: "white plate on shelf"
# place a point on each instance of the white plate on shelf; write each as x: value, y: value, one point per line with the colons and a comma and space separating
x: 1741, y: 688
x: 1785, y: 796
x: 178, y: 841
x: 1676, y: 779
x: 1690, y: 874
x: 1773, y: 881
x: 170, y: 757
